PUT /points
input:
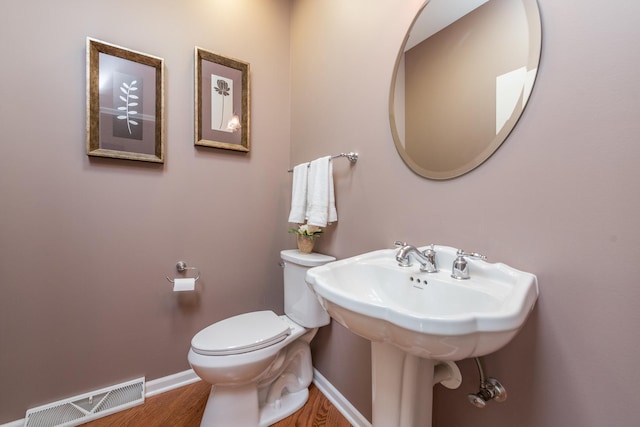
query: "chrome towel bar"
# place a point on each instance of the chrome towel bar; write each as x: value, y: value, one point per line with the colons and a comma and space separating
x: 352, y: 157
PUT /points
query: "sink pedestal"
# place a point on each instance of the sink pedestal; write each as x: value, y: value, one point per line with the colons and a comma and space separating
x: 415, y: 319
x: 403, y: 386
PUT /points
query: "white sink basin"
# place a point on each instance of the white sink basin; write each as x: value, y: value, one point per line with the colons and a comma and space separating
x: 430, y: 315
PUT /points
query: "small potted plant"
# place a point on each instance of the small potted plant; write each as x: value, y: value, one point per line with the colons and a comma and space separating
x: 305, y: 235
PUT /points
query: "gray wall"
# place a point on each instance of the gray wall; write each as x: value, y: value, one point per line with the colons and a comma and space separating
x: 559, y: 198
x: 85, y: 244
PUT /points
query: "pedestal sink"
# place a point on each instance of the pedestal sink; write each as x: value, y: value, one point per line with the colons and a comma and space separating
x: 420, y: 322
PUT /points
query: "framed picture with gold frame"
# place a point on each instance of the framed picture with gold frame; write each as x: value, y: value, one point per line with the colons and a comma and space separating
x: 125, y: 103
x: 221, y: 101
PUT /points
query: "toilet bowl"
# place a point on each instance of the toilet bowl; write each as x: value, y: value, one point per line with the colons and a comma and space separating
x: 259, y: 363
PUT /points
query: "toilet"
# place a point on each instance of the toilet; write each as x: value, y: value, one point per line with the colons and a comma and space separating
x: 259, y: 363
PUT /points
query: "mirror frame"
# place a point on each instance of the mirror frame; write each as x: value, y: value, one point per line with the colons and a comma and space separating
x: 492, y: 146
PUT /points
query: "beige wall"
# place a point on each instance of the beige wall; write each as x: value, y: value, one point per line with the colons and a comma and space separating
x: 559, y: 199
x: 85, y: 244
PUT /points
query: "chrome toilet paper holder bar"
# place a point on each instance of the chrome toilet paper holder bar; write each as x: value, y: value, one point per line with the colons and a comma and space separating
x: 181, y: 266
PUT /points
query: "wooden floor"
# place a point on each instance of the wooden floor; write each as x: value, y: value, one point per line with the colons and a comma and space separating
x: 183, y: 407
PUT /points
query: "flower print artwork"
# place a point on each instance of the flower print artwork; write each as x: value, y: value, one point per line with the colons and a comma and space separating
x: 221, y: 103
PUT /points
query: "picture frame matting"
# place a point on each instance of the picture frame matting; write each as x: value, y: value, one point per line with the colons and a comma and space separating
x: 125, y: 103
x: 222, y: 101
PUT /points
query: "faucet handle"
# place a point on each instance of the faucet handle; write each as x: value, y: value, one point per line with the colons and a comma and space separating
x: 460, y: 268
x: 403, y: 260
x: 475, y: 255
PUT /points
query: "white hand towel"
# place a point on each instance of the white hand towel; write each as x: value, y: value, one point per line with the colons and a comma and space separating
x: 333, y: 213
x: 320, y: 193
x: 299, y: 194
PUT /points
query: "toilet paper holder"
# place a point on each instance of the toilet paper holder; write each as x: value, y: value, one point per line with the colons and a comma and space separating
x: 181, y: 266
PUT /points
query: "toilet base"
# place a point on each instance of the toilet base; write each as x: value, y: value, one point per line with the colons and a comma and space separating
x: 227, y: 406
x: 283, y: 407
x: 257, y: 388
x: 232, y: 407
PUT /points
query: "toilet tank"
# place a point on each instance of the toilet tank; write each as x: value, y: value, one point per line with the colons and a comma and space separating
x: 300, y: 303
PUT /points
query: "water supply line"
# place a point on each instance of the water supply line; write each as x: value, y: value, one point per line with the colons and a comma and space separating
x: 480, y: 371
x: 490, y: 389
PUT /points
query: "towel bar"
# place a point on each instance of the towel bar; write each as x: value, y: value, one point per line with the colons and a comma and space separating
x: 352, y: 157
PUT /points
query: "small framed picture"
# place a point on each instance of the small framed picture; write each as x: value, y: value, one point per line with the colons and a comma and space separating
x: 125, y: 103
x: 221, y: 102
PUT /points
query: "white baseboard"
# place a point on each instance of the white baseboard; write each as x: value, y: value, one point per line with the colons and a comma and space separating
x: 171, y: 382
x: 339, y: 401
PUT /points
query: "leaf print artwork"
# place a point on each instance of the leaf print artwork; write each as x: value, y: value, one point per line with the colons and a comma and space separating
x: 130, y: 101
x: 127, y: 102
x: 221, y: 102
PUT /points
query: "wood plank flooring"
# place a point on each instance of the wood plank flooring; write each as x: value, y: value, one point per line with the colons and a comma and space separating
x: 183, y: 407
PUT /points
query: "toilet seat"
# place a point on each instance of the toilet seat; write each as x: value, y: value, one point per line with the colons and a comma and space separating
x: 241, y: 334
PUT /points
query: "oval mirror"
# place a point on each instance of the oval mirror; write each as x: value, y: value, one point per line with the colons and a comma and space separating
x: 461, y: 81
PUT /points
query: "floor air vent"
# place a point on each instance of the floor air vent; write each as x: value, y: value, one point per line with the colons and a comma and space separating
x: 81, y: 409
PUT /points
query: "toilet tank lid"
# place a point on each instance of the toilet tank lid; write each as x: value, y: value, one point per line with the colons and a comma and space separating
x: 308, y: 260
x: 240, y: 334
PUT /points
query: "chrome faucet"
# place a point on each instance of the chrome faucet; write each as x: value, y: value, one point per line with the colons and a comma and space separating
x: 427, y: 258
x: 460, y: 268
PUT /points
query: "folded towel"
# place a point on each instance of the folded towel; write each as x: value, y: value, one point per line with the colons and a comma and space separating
x: 320, y: 193
x: 333, y: 213
x: 299, y: 194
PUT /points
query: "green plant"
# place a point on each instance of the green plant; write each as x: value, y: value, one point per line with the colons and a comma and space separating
x: 312, y: 231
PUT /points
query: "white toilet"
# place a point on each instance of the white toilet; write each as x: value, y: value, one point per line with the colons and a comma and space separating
x: 259, y: 363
